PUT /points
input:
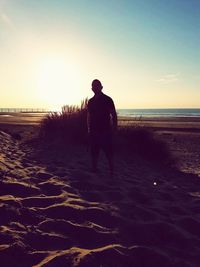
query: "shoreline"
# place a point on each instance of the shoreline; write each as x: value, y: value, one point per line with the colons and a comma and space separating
x: 153, y: 123
x: 163, y: 123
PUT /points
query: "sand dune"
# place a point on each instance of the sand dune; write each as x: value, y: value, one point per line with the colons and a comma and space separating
x: 55, y: 213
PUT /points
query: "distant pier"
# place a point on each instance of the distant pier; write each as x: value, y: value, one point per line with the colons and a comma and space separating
x: 23, y: 110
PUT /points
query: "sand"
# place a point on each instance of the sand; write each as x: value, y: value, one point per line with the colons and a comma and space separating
x: 15, y: 118
x: 54, y: 212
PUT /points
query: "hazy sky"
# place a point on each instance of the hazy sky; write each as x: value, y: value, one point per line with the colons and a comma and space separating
x: 145, y: 52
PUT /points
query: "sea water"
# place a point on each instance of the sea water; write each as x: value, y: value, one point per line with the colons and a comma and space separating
x: 172, y: 112
x: 135, y: 113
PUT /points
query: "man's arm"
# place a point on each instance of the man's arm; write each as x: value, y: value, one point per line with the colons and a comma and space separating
x: 114, y: 116
x: 88, y: 121
x: 88, y: 117
x: 114, y: 119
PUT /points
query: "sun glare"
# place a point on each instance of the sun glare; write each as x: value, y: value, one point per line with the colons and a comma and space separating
x: 57, y: 82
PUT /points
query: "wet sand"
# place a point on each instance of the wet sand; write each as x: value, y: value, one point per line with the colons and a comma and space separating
x: 25, y: 118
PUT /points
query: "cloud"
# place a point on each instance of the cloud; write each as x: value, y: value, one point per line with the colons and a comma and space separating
x: 5, y: 19
x: 169, y: 78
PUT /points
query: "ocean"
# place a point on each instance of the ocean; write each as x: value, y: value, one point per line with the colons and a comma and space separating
x: 135, y: 113
x: 172, y: 112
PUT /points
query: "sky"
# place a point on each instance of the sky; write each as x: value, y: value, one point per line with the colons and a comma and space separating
x: 145, y: 52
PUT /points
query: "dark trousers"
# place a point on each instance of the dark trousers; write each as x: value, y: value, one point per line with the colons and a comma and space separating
x: 101, y: 141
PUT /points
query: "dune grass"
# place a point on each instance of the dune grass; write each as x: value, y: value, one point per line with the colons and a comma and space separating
x: 70, y: 127
x: 142, y: 141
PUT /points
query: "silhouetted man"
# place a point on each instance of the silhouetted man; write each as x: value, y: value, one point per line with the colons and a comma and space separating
x: 102, y: 121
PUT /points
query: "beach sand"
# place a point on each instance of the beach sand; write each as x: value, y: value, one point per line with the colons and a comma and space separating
x: 55, y: 213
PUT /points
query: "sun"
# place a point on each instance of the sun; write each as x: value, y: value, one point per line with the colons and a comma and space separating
x: 57, y: 82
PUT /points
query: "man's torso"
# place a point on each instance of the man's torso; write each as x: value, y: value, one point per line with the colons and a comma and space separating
x: 99, y: 109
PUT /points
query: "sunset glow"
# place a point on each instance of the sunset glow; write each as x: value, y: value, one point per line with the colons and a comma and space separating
x: 56, y: 82
x: 146, y: 53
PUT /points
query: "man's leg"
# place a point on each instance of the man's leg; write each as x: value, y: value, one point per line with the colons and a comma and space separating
x: 110, y: 162
x: 108, y: 150
x: 94, y: 156
x: 95, y: 148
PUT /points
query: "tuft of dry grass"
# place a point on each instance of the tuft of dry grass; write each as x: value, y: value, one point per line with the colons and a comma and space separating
x: 69, y: 125
x: 142, y: 141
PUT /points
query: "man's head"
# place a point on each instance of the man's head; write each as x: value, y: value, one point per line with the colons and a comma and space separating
x: 96, y: 86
